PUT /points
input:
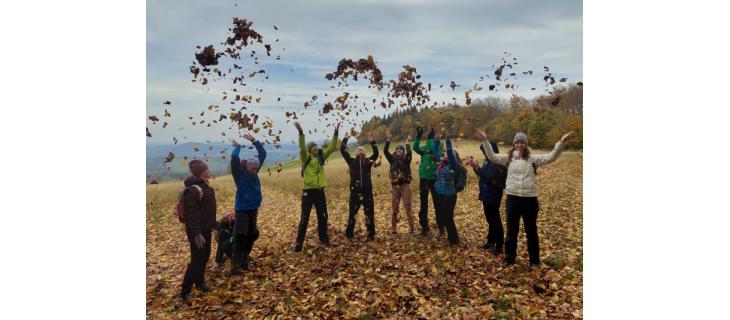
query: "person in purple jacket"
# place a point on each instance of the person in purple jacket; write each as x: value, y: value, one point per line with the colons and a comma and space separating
x: 248, y: 200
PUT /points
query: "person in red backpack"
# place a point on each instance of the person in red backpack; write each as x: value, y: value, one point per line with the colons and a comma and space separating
x: 199, y: 219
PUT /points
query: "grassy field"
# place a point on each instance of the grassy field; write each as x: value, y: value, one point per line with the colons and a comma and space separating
x: 397, y: 276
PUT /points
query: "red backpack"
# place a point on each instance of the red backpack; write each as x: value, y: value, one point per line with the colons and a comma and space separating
x: 180, y: 205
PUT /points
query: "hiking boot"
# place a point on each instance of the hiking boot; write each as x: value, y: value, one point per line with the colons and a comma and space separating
x: 534, y: 265
x: 424, y: 232
x: 205, y: 287
x: 496, y: 251
x: 188, y: 298
x: 244, y: 264
x: 506, y: 262
x: 298, y: 247
x: 236, y: 271
x: 488, y: 245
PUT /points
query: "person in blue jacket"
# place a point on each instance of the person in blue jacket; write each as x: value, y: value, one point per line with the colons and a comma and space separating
x: 248, y: 201
x: 446, y: 189
x: 492, y: 178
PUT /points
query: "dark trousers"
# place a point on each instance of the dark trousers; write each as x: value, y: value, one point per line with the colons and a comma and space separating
x: 525, y: 208
x: 445, y: 214
x: 365, y: 198
x: 316, y: 198
x: 496, y: 233
x: 195, y: 272
x: 425, y: 186
x: 245, y: 233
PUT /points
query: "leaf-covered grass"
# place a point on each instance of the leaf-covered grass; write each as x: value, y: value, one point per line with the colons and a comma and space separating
x: 397, y: 276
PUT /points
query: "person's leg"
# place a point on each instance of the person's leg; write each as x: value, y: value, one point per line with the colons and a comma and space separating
x: 405, y: 193
x: 448, y: 221
x: 251, y: 236
x: 496, y: 224
x: 438, y: 210
x: 221, y: 237
x: 190, y: 272
x: 530, y: 220
x: 355, y: 201
x: 432, y: 190
x: 490, y: 234
x: 239, y: 240
x: 320, y: 204
x: 368, y: 203
x: 307, y: 202
x: 395, y: 192
x: 513, y: 228
x: 205, y: 256
x: 423, y: 189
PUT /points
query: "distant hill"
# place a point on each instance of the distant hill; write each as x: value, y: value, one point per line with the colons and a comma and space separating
x: 212, y: 152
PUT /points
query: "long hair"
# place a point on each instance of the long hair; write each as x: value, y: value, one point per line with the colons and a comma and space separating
x: 525, y: 154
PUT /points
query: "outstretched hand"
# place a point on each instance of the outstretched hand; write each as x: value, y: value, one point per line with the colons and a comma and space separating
x: 337, y: 127
x: 419, y: 132
x: 481, y: 134
x: 388, y: 136
x: 566, y: 136
x: 371, y: 137
x: 408, y: 139
x: 249, y: 137
x: 347, y: 135
x: 234, y: 142
x: 299, y: 126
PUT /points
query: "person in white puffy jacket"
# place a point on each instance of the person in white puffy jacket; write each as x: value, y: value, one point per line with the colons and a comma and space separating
x: 521, y: 189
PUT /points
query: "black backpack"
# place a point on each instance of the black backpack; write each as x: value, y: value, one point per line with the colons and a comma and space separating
x: 180, y: 204
x: 309, y: 159
x: 460, y: 182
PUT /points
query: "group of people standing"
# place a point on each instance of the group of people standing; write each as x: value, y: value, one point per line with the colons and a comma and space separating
x: 441, y: 171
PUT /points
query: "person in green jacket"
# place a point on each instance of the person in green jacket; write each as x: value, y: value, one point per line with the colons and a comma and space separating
x: 426, y: 176
x: 313, y: 184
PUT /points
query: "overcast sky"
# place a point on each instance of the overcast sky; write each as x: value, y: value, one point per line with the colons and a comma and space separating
x: 444, y: 40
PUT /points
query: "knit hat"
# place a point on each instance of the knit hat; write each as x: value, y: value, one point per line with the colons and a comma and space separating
x: 400, y: 147
x: 310, y: 145
x: 520, y: 137
x: 197, y: 167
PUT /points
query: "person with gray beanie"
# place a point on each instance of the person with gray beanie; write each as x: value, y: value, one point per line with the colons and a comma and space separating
x: 248, y: 200
x: 522, y: 191
x: 200, y: 210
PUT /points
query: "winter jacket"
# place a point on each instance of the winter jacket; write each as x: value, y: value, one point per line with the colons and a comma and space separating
x: 199, y: 213
x: 492, y: 179
x: 248, y: 186
x: 521, y: 178
x: 400, y: 167
x: 359, y: 167
x: 428, y: 165
x: 314, y: 177
x: 446, y: 178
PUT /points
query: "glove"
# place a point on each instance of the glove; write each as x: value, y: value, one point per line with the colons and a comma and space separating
x: 419, y: 132
x: 431, y: 134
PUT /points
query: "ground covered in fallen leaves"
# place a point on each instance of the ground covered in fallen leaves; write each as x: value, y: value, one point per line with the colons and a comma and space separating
x: 399, y: 276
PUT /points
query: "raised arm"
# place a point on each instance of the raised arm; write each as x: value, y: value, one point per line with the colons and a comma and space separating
x: 543, y: 159
x: 235, y: 160
x: 437, y: 149
x: 375, y: 154
x: 388, y: 156
x: 333, y: 144
x: 343, y: 149
x: 302, y: 147
x: 417, y: 141
x: 453, y: 163
x: 259, y: 149
x: 409, y: 153
x: 487, y: 148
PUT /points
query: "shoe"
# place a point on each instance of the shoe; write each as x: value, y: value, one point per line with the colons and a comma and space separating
x: 488, y: 245
x: 534, y: 266
x: 188, y: 298
x: 298, y: 247
x: 371, y: 238
x: 424, y: 232
x: 205, y: 287
x: 236, y: 271
x: 496, y: 251
x: 507, y: 262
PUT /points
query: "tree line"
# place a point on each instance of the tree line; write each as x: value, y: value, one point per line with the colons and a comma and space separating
x: 543, y: 118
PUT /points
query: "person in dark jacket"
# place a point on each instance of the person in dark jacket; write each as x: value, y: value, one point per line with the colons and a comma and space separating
x: 361, y: 186
x: 492, y: 178
x: 446, y: 189
x: 248, y: 201
x: 426, y: 177
x: 199, y: 221
x: 400, y: 180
